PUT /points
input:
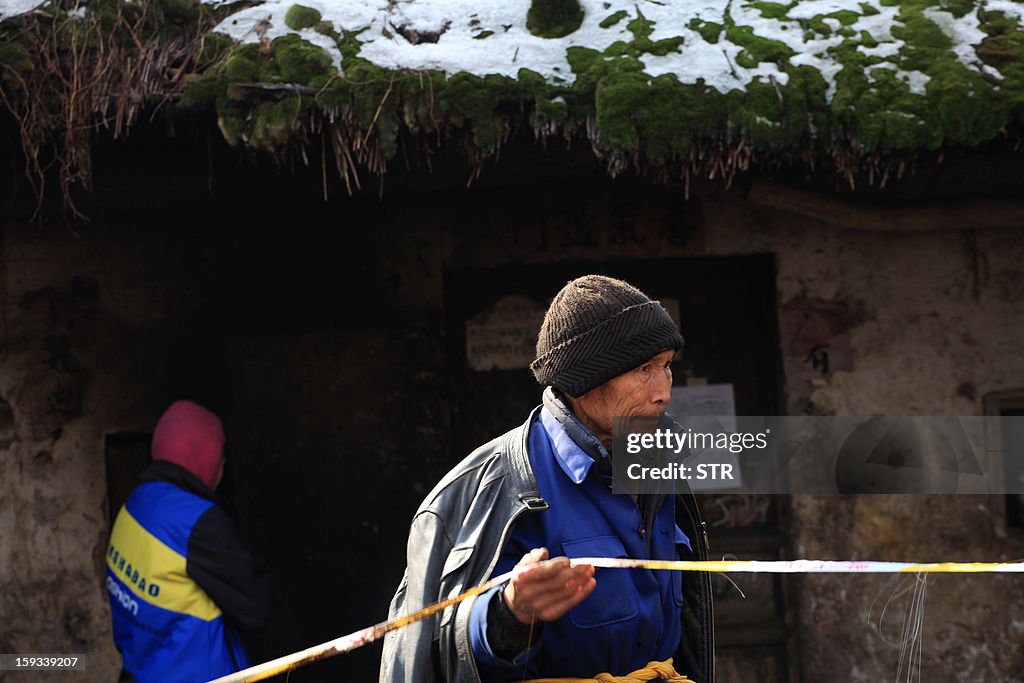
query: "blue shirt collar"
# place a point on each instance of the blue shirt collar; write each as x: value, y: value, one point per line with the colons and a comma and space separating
x: 570, y: 457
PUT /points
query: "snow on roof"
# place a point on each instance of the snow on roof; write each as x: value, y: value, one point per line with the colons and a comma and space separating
x: 650, y: 83
x: 483, y: 37
x: 13, y: 8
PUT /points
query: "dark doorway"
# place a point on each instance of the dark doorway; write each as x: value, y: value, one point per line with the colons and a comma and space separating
x: 126, y: 456
x: 1009, y: 507
x: 1013, y: 443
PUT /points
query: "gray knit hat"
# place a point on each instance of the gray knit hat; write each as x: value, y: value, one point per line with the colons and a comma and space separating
x: 596, y: 328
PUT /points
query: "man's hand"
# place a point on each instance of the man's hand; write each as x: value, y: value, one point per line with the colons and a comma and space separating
x: 547, y: 589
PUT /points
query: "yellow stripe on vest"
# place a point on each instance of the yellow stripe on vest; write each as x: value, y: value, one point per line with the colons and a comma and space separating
x: 154, y: 572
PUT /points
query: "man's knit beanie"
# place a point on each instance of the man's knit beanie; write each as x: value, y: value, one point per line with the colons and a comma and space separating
x: 597, y: 328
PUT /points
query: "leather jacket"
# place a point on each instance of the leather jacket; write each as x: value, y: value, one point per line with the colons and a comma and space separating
x: 454, y: 543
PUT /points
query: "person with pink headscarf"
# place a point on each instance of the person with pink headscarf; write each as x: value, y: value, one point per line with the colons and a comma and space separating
x: 181, y: 582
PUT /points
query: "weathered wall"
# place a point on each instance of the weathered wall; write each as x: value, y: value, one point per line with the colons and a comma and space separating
x: 938, y: 322
x: 319, y: 334
x: 87, y: 330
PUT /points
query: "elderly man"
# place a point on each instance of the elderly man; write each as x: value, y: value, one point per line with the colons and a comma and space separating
x: 541, y: 494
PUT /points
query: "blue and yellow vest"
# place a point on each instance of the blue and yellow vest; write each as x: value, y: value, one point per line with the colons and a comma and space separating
x: 166, y: 627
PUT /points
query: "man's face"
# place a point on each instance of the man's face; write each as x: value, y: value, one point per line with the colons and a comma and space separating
x: 643, y: 391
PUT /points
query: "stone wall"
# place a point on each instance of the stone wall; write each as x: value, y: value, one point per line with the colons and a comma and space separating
x: 86, y: 330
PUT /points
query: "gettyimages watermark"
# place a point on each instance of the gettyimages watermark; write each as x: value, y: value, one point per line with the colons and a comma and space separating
x: 819, y: 455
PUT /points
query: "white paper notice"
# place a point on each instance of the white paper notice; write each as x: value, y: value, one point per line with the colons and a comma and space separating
x: 504, y: 336
x: 716, y: 402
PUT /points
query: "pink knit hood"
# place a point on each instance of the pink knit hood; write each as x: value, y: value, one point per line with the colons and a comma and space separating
x: 192, y: 437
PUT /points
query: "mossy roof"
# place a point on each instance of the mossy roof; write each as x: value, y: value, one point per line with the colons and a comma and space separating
x: 654, y: 83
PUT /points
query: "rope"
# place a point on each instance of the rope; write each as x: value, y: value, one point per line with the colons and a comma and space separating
x: 370, y: 634
x: 805, y: 566
x: 654, y: 671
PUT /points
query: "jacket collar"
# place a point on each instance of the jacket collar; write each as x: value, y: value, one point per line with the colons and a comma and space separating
x: 577, y: 431
x: 170, y: 473
x: 572, y: 460
x: 523, y: 484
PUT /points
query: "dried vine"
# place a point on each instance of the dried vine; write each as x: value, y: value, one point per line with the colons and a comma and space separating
x: 72, y: 70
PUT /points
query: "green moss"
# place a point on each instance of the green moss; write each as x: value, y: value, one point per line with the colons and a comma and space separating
x: 202, y: 90
x: 617, y: 49
x: 483, y: 34
x: 746, y: 60
x: 299, y: 17
x: 925, y: 41
x: 326, y: 28
x: 664, y: 46
x: 473, y: 103
x: 708, y: 30
x: 641, y: 27
x: 273, y: 124
x: 755, y: 48
x: 867, y: 10
x: 876, y: 109
x: 290, y: 60
x: 845, y: 17
x: 215, y: 47
x: 553, y: 18
x: 302, y: 62
x: 958, y: 8
x: 231, y: 123
x: 818, y: 25
x: 553, y: 110
x: 772, y: 10
x: 1002, y: 49
x: 997, y: 23
x: 377, y: 109
x: 244, y: 65
x: 759, y: 116
x: 661, y: 116
x: 349, y: 47
x: 613, y: 19
x: 953, y: 92
x: 419, y: 110
x: 658, y: 121
x: 887, y: 116
x: 952, y: 96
